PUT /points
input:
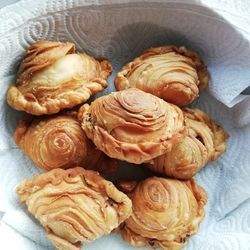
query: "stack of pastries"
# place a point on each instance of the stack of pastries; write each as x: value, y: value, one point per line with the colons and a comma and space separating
x: 140, y: 123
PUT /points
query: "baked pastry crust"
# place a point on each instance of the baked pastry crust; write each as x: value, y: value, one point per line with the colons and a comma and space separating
x: 52, y: 77
x: 166, y: 212
x: 205, y: 142
x: 219, y: 134
x: 58, y: 141
x: 132, y: 125
x: 174, y: 74
x: 74, y: 205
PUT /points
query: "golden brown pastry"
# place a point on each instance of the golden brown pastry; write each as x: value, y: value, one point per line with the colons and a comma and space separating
x: 74, y: 205
x: 53, y: 77
x: 205, y: 142
x: 174, y: 74
x: 166, y: 212
x: 219, y: 134
x: 132, y: 125
x: 58, y: 141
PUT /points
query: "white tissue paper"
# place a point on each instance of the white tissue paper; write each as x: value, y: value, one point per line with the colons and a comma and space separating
x: 121, y: 30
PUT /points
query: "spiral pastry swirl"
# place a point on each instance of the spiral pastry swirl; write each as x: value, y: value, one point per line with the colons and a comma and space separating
x: 52, y: 77
x: 171, y: 73
x: 132, y: 125
x: 205, y: 142
x: 165, y: 212
x: 74, y: 205
x: 59, y: 142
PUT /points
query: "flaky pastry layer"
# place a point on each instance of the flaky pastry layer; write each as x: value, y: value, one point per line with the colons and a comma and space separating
x: 58, y: 141
x: 204, y: 142
x: 74, y: 205
x: 132, y: 125
x: 52, y: 77
x: 175, y: 74
x: 166, y: 212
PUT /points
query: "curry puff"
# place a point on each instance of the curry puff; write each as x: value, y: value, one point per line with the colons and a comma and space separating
x: 204, y: 142
x: 74, y: 205
x: 53, y: 76
x: 132, y: 125
x: 174, y: 74
x: 166, y: 212
x: 58, y: 141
